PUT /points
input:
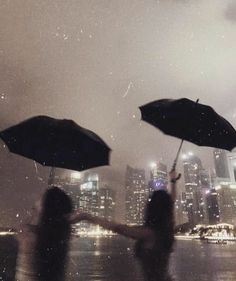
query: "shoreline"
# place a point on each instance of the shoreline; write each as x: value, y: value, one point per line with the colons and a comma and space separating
x: 206, y: 238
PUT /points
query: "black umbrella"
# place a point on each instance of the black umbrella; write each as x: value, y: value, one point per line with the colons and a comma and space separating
x: 57, y: 143
x: 191, y: 121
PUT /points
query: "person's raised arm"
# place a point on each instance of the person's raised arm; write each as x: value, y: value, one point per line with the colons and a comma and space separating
x: 173, y: 179
x: 134, y: 232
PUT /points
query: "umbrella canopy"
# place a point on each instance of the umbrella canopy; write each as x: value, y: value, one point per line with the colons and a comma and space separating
x: 191, y: 121
x: 57, y: 143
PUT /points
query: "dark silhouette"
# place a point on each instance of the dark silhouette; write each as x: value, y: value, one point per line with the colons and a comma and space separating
x: 44, y: 245
x: 154, y: 255
x: 8, y: 257
x: 155, y: 238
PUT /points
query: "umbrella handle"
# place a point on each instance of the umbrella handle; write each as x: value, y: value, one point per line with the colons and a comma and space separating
x: 177, y: 156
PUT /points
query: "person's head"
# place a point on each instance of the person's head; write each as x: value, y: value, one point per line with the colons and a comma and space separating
x: 159, y: 210
x: 55, y: 205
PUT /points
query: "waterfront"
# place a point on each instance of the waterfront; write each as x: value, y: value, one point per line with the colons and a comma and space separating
x: 111, y: 259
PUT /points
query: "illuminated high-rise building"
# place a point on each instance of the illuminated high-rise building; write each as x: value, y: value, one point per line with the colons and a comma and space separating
x: 212, y: 205
x: 70, y: 183
x: 231, y: 157
x: 158, y: 177
x: 205, y: 179
x: 192, y: 167
x: 89, y: 194
x: 107, y: 202
x: 227, y: 203
x: 180, y: 209
x: 221, y: 164
x: 136, y: 194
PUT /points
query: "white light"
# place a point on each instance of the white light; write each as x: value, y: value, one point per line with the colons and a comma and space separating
x: 2, y: 233
x: 184, y: 156
x: 190, y: 153
x: 76, y: 175
x: 153, y: 165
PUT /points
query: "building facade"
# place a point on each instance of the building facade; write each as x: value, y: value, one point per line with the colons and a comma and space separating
x: 212, y: 204
x: 221, y: 164
x: 136, y: 194
x: 194, y: 200
x: 107, y: 202
x: 227, y: 203
x: 158, y: 177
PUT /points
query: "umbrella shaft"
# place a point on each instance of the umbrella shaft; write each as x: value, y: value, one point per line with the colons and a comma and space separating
x: 177, y: 156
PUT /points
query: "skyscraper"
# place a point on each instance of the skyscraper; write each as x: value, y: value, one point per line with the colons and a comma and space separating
x: 107, y: 202
x: 212, y: 205
x: 136, y: 194
x: 205, y: 179
x: 193, y: 194
x: 158, y: 177
x: 221, y: 164
x: 89, y: 194
x: 231, y: 157
x: 70, y: 183
x: 227, y: 203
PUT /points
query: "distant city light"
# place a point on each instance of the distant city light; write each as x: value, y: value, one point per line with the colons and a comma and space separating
x: 232, y: 186
x: 76, y: 175
x: 184, y: 156
x: 3, y: 96
x: 153, y: 165
x: 3, y: 233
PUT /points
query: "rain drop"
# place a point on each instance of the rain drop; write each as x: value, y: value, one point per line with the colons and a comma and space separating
x: 3, y: 96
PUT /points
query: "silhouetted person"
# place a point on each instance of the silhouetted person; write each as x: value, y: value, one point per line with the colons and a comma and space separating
x: 43, y: 245
x: 155, y: 238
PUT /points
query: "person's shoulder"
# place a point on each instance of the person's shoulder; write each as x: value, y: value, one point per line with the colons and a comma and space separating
x: 26, y: 237
x: 26, y: 230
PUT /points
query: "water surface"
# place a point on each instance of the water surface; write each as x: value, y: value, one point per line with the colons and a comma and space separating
x: 112, y: 259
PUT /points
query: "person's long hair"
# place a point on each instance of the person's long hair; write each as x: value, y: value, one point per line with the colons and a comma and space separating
x: 159, y: 216
x: 53, y: 233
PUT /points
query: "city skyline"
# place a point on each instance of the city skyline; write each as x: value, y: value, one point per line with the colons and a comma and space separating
x: 205, y: 198
x: 150, y: 173
x: 97, y: 63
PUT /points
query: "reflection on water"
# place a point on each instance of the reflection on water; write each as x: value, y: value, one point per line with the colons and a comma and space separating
x: 102, y: 259
x: 111, y: 259
x: 205, y: 262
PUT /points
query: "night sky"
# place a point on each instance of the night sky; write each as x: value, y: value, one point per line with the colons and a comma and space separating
x: 95, y: 62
